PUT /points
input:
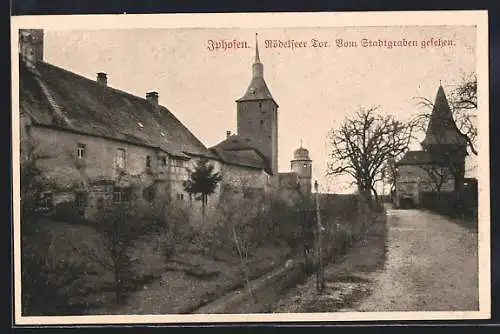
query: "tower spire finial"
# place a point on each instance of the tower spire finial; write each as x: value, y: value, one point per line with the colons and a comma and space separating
x: 301, y: 143
x: 257, y: 58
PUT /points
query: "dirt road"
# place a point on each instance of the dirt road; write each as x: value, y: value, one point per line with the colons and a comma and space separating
x: 417, y: 261
x: 431, y: 265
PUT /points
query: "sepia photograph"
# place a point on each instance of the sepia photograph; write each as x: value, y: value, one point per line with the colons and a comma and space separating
x: 250, y: 167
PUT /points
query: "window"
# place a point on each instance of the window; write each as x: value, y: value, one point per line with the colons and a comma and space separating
x: 148, y: 161
x: 261, y: 122
x: 163, y: 161
x: 121, y: 161
x: 80, y: 202
x: 80, y: 151
x: 46, y: 202
x: 120, y: 195
x: 80, y: 199
x: 180, y: 197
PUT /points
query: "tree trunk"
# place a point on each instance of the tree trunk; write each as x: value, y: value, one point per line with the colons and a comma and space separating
x: 203, y: 201
x: 375, y: 194
x: 244, y: 262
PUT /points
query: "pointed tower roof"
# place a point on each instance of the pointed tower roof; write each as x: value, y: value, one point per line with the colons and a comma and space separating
x: 257, y: 90
x: 442, y: 129
x: 257, y: 58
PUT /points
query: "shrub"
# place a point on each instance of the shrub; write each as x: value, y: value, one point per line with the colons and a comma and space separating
x: 43, y: 275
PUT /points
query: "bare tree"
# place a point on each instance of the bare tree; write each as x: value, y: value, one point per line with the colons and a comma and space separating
x: 121, y: 222
x: 364, y: 143
x: 439, y: 175
x: 390, y: 174
x: 238, y: 219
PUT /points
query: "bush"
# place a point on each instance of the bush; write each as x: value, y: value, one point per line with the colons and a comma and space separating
x: 43, y: 275
x: 68, y: 212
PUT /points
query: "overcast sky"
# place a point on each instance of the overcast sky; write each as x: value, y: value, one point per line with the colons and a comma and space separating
x: 315, y: 88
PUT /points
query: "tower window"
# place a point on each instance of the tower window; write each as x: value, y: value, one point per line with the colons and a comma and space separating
x: 305, y: 165
x: 148, y: 161
x: 260, y: 104
x: 80, y: 151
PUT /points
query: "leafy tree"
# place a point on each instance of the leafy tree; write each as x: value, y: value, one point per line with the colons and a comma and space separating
x: 202, y: 181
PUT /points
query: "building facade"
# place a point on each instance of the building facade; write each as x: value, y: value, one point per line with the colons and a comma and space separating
x: 95, y: 143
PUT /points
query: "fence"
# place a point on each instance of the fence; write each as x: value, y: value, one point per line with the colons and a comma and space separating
x: 342, y: 222
x: 453, y: 204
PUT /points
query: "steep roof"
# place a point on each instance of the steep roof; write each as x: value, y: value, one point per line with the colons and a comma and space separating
x: 62, y: 99
x: 442, y: 129
x: 257, y: 90
x: 415, y: 158
x: 239, y: 150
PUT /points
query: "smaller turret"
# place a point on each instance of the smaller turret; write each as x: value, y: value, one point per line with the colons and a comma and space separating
x: 302, y: 166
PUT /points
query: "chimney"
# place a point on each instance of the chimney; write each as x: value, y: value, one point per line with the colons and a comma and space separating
x: 31, y: 46
x: 152, y: 97
x: 228, y: 134
x: 102, y: 78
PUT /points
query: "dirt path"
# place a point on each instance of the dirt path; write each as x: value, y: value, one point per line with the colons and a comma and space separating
x: 432, y: 265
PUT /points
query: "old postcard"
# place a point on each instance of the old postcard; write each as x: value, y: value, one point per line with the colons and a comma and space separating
x: 250, y: 167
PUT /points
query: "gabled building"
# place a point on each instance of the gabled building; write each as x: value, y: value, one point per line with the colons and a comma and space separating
x: 94, y: 141
x: 440, y: 166
x: 97, y: 140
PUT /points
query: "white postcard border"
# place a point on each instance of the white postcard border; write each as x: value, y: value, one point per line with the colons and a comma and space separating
x: 269, y: 20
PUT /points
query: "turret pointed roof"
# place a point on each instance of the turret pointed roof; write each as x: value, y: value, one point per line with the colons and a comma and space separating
x: 442, y: 129
x: 257, y: 90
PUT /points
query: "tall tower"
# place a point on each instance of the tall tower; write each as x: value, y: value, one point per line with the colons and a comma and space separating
x: 302, y: 166
x: 257, y: 116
